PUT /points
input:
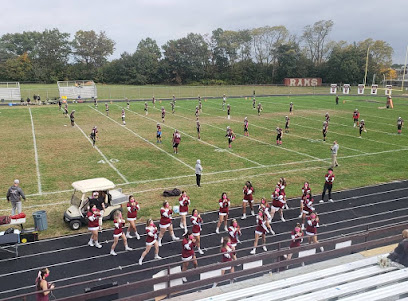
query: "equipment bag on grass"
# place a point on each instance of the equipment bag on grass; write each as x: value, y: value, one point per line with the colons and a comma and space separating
x: 174, y: 192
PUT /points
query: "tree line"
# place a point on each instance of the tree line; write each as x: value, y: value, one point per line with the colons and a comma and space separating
x: 264, y: 55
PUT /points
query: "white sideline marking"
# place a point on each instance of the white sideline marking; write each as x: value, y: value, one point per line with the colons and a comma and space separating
x: 177, y: 255
x: 103, y: 156
x: 37, y: 166
x: 196, y: 139
x: 145, y: 140
x: 250, y: 138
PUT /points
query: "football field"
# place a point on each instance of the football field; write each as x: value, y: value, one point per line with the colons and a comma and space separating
x: 41, y: 148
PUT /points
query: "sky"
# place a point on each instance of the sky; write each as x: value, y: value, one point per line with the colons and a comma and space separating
x: 129, y: 21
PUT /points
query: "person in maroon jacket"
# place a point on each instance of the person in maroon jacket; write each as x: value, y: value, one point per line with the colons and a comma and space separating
x: 132, y: 208
x: 184, y: 202
x: 187, y: 253
x: 248, y: 198
x: 297, y: 237
x: 305, y: 189
x: 260, y: 231
x: 93, y: 226
x: 176, y: 141
x: 307, y: 207
x: 197, y: 221
x: 227, y: 256
x: 119, y: 222
x: 328, y: 185
x: 165, y: 222
x: 311, y: 229
x: 151, y: 240
x: 224, y: 204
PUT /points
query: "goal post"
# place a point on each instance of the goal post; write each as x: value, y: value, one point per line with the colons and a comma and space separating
x: 77, y: 89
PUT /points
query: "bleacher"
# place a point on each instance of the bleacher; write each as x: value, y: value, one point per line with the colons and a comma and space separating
x: 359, y: 280
x: 10, y: 91
x: 78, y: 89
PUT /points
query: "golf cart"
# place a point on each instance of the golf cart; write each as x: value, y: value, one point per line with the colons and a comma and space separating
x: 75, y: 215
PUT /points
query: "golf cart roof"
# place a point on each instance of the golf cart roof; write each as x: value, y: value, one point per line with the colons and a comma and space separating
x: 96, y: 184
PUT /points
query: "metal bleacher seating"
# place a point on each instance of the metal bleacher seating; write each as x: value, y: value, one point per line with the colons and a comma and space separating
x: 358, y: 280
x: 10, y: 91
x: 79, y: 89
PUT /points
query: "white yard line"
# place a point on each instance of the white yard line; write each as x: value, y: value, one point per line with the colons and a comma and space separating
x: 103, y: 156
x: 196, y: 139
x: 250, y: 138
x: 145, y: 140
x: 37, y: 165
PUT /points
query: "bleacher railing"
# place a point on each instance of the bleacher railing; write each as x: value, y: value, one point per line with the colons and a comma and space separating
x: 362, y: 240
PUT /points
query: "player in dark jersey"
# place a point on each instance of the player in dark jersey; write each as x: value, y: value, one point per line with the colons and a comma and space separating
x: 196, y: 112
x: 324, y: 130
x: 65, y: 110
x: 95, y: 102
x: 362, y: 127
x: 356, y: 115
x: 291, y: 108
x: 163, y: 113
x: 72, y: 117
x: 259, y: 109
x: 230, y: 135
x: 327, y: 117
x: 154, y: 102
x: 176, y: 141
x: 173, y: 104
x: 159, y: 133
x: 287, y: 124
x: 279, y: 136
x: 198, y: 128
x: 253, y: 103
x: 229, y: 111
x: 94, y: 135
x: 107, y: 109
x: 246, y: 133
x: 146, y: 108
x: 127, y: 103
x: 337, y: 99
x: 59, y: 104
x: 400, y: 123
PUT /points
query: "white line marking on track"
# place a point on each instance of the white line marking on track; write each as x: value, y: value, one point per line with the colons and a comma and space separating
x: 196, y: 139
x: 37, y: 165
x: 102, y: 155
x: 145, y: 140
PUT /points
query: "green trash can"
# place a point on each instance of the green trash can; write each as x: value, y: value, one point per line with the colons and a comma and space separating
x: 40, y: 220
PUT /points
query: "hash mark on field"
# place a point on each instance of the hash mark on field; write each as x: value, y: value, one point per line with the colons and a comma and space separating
x: 145, y: 140
x: 103, y: 156
x: 37, y: 166
x: 199, y: 140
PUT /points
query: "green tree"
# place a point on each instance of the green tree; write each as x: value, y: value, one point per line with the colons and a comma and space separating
x: 15, y: 44
x: 315, y: 38
x: 19, y: 68
x: 146, y: 59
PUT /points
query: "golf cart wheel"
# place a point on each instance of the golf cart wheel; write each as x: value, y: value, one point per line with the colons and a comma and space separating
x: 75, y: 224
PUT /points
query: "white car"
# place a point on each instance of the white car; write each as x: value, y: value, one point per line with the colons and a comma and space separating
x: 75, y: 215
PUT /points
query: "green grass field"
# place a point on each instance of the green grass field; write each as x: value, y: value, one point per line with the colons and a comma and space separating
x: 144, y: 168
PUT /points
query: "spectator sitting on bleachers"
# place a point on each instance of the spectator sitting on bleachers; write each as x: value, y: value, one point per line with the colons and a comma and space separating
x: 400, y: 254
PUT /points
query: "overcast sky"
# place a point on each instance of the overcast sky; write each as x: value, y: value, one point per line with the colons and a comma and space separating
x: 129, y: 21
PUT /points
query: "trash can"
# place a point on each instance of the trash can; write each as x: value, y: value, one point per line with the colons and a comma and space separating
x: 40, y: 220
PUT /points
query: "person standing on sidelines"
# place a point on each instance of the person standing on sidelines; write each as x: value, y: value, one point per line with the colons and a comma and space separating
x: 72, y: 117
x: 65, y: 110
x: 400, y: 123
x: 334, y: 149
x: 14, y: 195
x: 94, y: 135
x: 328, y: 185
x: 198, y: 172
x: 151, y: 240
x: 337, y: 99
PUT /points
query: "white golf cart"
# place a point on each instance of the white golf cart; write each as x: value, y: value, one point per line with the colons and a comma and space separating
x: 75, y: 215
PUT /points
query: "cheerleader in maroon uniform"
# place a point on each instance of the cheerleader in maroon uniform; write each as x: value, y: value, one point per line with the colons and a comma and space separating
x: 132, y: 208
x: 187, y: 253
x: 279, y: 136
x: 246, y: 126
x: 311, y: 229
x: 197, y: 221
x: 165, y: 222
x: 184, y: 202
x: 151, y: 240
x: 227, y: 255
x: 297, y: 237
x: 224, y: 204
x: 163, y: 113
x: 93, y: 226
x: 306, y: 188
x: 266, y: 210
x: 248, y: 198
x: 278, y: 202
x: 282, y: 185
x: 119, y: 222
x: 234, y: 231
x: 307, y: 207
x: 176, y: 141
x: 261, y: 230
